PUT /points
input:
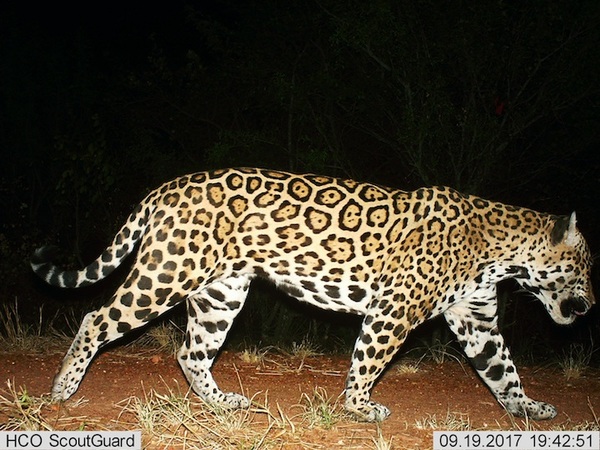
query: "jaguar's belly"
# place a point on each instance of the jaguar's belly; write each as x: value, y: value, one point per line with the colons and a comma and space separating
x: 347, y: 298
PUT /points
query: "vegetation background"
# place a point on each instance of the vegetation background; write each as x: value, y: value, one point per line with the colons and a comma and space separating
x: 101, y: 103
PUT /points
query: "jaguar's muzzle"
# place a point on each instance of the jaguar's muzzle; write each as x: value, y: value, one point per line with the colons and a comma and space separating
x: 574, y: 306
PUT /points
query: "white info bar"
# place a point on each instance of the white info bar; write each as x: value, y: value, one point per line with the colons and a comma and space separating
x: 516, y: 440
x: 74, y: 440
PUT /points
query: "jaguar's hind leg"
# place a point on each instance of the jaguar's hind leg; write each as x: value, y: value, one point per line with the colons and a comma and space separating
x: 131, y: 307
x: 210, y: 315
x: 77, y: 359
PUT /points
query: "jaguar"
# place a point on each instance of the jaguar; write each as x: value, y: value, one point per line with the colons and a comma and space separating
x: 395, y: 257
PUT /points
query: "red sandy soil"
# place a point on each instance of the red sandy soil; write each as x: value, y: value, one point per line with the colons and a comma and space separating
x: 433, y: 391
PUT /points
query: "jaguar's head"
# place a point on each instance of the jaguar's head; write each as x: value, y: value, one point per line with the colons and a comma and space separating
x: 560, y: 276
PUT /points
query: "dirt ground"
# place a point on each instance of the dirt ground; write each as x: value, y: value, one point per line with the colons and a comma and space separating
x: 416, y: 399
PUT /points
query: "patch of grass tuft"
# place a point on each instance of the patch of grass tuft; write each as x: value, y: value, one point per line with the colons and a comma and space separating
x: 441, y: 352
x: 450, y: 422
x: 182, y: 419
x: 15, y: 335
x: 254, y: 355
x: 409, y: 366
x: 321, y: 410
x: 21, y: 411
x: 305, y: 349
x: 574, y: 361
x: 165, y: 337
x: 380, y: 442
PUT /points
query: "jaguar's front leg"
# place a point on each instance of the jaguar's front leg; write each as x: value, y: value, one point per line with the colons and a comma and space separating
x: 477, y: 332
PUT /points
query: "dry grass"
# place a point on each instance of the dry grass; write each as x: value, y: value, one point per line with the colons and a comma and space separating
x: 165, y: 337
x: 305, y: 349
x: 575, y: 361
x: 15, y: 335
x: 181, y: 419
x: 381, y: 443
x: 582, y: 426
x: 440, y: 352
x: 408, y: 366
x: 321, y: 410
x: 20, y: 411
x: 175, y: 418
x: 298, y: 351
x: 255, y: 355
x: 450, y: 422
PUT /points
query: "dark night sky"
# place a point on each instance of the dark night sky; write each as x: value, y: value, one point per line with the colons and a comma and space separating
x: 122, y: 30
x: 113, y: 39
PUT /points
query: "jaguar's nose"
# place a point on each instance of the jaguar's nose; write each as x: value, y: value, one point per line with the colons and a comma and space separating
x: 574, y: 305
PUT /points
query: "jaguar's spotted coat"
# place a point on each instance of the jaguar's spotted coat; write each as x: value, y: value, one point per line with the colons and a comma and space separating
x: 398, y: 258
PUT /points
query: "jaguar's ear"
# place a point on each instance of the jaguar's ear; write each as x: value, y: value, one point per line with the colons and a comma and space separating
x: 564, y: 230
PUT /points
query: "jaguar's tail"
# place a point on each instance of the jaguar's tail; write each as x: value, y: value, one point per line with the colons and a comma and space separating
x: 122, y: 245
